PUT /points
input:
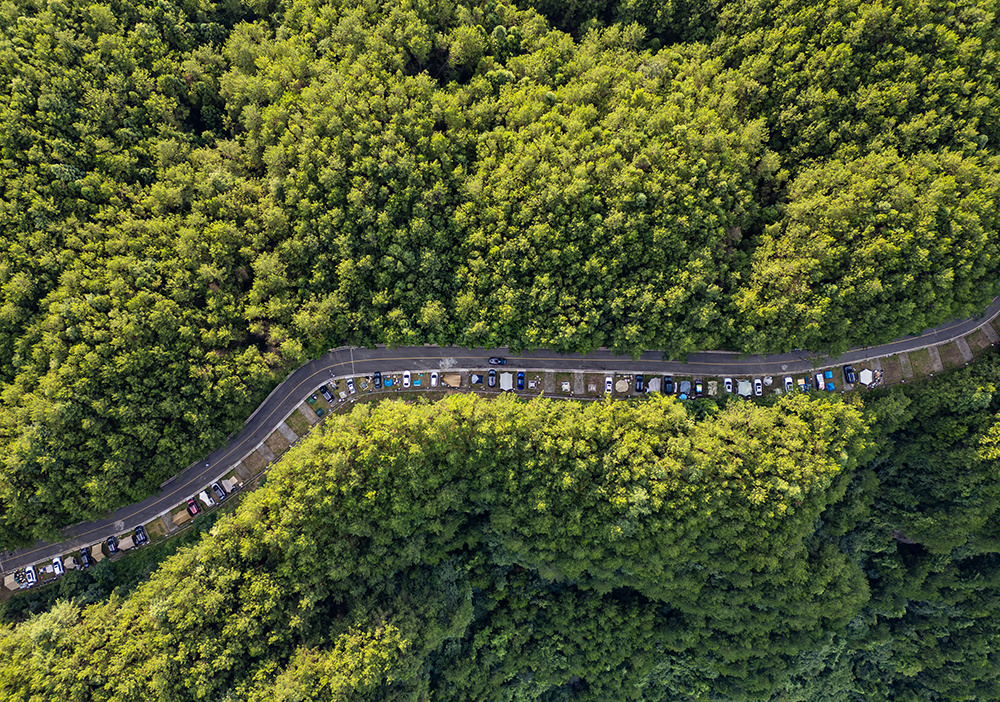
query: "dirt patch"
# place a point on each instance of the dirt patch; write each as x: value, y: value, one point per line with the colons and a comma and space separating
x: 156, y: 530
x: 298, y: 423
x: 254, y: 463
x: 921, y: 363
x: 892, y: 374
x: 951, y: 357
x: 995, y: 323
x: 978, y: 341
x: 593, y: 384
x: 277, y: 443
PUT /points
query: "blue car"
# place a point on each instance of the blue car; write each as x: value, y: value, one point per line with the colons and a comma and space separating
x: 520, y: 381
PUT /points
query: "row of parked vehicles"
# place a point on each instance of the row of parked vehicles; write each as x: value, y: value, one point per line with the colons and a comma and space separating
x: 206, y: 498
x: 695, y: 388
x: 29, y: 575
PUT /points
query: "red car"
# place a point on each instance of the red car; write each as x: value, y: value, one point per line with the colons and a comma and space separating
x: 192, y: 507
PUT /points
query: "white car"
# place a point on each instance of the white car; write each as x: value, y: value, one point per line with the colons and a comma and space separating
x: 434, y: 379
x: 57, y: 566
x: 758, y: 387
x: 789, y: 383
x: 406, y: 379
x: 350, y: 386
x: 728, y: 384
x: 608, y: 385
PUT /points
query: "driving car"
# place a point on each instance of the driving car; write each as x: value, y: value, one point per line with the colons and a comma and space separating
x: 849, y: 375
x: 434, y: 379
x: 608, y: 385
x: 520, y: 380
x: 350, y: 386
x: 377, y: 380
x: 789, y: 383
x: 758, y: 387
x: 112, y: 543
x: 491, y: 378
x: 325, y: 392
x: 698, y: 389
x: 727, y: 383
x: 639, y: 386
x: 193, y: 507
x: 406, y: 379
x: 85, y: 560
x: 668, y: 385
x: 497, y: 361
x: 57, y: 566
x: 30, y: 575
x: 219, y: 492
x: 140, y: 536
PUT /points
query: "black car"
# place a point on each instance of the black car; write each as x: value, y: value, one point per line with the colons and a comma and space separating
x: 849, y: 375
x: 639, y: 384
x: 219, y: 492
x: 491, y: 378
x: 668, y: 385
x: 140, y: 536
x: 520, y: 380
x: 112, y: 543
x: 497, y: 361
x: 325, y: 392
x: 377, y: 380
x: 85, y: 560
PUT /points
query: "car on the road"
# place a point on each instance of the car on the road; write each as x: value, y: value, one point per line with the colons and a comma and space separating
x: 849, y: 375
x: 85, y: 560
x: 350, y: 386
x: 608, y: 385
x: 520, y: 380
x: 497, y: 361
x: 406, y: 379
x: 727, y: 383
x: 112, y: 543
x: 377, y: 380
x: 193, y: 507
x: 758, y: 387
x: 140, y: 536
x: 698, y: 389
x: 325, y: 392
x: 57, y: 566
x: 639, y: 385
x: 789, y: 384
x: 434, y: 379
x: 219, y: 492
x: 491, y: 378
x: 668, y: 385
x: 31, y: 577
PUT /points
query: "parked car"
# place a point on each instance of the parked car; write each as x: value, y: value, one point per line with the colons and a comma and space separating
x: 30, y: 576
x: 85, y: 559
x: 608, y: 385
x: 406, y: 379
x: 849, y: 375
x: 727, y: 383
x: 789, y: 384
x: 350, y: 386
x: 434, y: 379
x: 639, y: 386
x: 520, y: 380
x: 325, y: 392
x: 193, y: 507
x: 698, y: 389
x: 139, y: 536
x: 219, y: 492
x: 57, y: 566
x: 685, y: 389
x: 668, y: 385
x: 491, y: 378
x: 377, y: 380
x: 112, y: 543
x: 497, y: 361
x: 818, y: 381
x: 758, y: 387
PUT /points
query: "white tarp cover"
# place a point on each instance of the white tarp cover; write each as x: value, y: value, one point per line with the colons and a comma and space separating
x: 206, y: 500
x: 506, y: 381
x: 745, y: 389
x: 653, y: 385
x: 866, y: 377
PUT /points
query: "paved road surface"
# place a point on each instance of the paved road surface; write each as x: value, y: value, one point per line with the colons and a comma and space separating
x: 348, y: 361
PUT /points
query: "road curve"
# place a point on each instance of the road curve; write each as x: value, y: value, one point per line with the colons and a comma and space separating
x: 357, y: 361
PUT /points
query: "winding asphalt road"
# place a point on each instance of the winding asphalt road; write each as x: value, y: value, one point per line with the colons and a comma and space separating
x: 355, y: 361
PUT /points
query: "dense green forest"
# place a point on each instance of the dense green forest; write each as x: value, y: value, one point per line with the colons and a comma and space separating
x: 197, y: 197
x: 809, y: 550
